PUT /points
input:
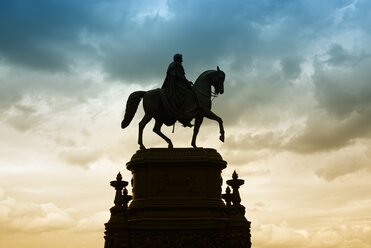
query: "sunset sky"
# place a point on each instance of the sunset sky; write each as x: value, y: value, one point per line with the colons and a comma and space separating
x: 296, y: 109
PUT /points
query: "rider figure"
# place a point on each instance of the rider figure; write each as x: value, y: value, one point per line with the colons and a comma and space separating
x: 177, y: 87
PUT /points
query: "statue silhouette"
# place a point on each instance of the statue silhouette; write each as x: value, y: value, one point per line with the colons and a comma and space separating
x: 177, y: 102
x: 177, y: 87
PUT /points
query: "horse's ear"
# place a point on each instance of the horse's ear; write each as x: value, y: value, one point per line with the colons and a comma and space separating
x: 218, y: 68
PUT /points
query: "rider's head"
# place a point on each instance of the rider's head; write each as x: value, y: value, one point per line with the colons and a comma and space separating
x: 178, y: 58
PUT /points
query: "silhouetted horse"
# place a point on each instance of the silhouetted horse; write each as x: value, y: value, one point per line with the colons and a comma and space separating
x: 197, y: 105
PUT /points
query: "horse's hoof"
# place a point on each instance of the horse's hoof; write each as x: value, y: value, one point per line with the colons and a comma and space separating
x: 194, y: 145
x: 221, y: 138
x: 170, y: 146
x: 142, y: 147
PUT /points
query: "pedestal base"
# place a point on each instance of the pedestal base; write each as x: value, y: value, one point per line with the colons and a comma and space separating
x: 177, y: 202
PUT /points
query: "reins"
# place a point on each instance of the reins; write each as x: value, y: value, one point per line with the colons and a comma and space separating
x: 214, y: 95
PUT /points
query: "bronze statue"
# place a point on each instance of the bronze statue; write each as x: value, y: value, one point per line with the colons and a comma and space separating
x: 177, y: 101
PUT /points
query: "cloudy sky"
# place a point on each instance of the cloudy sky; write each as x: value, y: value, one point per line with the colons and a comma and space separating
x: 296, y: 108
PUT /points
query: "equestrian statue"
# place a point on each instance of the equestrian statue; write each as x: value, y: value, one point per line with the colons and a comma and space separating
x: 177, y: 100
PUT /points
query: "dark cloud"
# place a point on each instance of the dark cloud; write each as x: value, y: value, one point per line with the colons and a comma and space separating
x: 259, y: 95
x: 40, y: 43
x: 134, y: 42
x: 147, y: 48
x: 344, y: 87
x: 239, y: 31
x: 343, y: 168
x: 343, y: 93
x: 22, y: 118
x: 17, y: 84
x: 44, y: 35
x: 291, y: 68
x: 339, y: 56
x: 249, y: 142
x: 323, y: 133
x: 80, y: 157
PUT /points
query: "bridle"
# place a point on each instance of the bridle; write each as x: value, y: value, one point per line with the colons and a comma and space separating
x: 206, y: 93
x: 214, y: 94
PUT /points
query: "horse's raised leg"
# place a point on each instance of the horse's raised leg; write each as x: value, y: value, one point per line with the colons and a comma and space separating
x: 157, y: 130
x: 210, y: 115
x: 146, y: 118
x: 198, y: 122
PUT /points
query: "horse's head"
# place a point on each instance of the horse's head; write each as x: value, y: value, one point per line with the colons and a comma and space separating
x: 218, y: 81
x: 210, y: 78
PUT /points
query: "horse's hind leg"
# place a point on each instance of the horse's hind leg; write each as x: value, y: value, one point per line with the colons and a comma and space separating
x: 157, y: 130
x: 146, y: 118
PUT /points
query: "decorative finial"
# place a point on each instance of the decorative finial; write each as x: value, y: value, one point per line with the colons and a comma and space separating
x: 235, y: 183
x: 119, y: 177
x: 228, y: 190
x: 227, y: 197
x: 118, y: 185
x: 118, y: 211
x: 234, y: 175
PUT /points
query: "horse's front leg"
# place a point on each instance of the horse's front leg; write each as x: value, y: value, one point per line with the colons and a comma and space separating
x: 196, y: 128
x: 146, y: 118
x: 210, y: 115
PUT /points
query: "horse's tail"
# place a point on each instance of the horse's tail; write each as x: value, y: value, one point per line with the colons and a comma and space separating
x: 131, y: 107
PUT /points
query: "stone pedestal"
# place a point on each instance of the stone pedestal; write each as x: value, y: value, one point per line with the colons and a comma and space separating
x: 178, y: 188
x: 177, y: 202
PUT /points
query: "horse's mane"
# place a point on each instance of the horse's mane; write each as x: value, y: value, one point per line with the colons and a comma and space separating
x: 203, y: 75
